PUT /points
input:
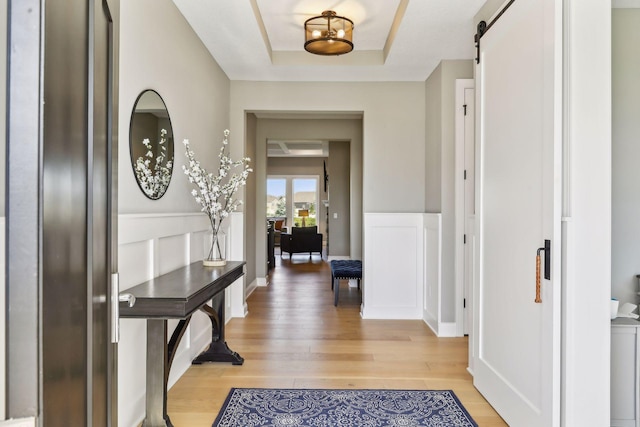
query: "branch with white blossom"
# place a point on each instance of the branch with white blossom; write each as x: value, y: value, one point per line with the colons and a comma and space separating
x: 214, y: 192
x: 154, y: 180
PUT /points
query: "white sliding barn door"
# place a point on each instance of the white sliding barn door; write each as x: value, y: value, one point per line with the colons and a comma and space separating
x: 517, y: 341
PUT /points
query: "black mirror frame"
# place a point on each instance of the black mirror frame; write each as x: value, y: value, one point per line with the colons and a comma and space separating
x: 131, y: 149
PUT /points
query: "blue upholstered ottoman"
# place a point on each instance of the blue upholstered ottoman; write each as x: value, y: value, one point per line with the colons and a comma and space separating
x: 344, y: 269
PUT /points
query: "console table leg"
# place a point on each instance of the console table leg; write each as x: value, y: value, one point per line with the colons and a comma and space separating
x: 157, y: 367
x: 218, y: 350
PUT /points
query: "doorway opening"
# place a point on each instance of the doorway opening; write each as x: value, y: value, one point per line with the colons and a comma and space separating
x: 292, y: 201
x: 464, y: 202
x: 327, y: 149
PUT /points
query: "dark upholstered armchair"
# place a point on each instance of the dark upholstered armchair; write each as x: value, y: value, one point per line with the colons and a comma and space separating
x: 301, y: 240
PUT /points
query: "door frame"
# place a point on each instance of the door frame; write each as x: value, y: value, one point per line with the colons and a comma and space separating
x: 23, y: 211
x: 460, y: 217
x: 586, y: 212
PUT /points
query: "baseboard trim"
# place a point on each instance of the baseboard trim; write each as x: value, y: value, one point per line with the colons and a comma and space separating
x: 391, y: 313
x: 19, y: 422
x: 261, y: 281
x: 442, y: 329
x: 252, y: 287
x: 447, y: 329
x: 432, y: 324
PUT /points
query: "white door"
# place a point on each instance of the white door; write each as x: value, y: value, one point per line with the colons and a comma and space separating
x: 517, y: 341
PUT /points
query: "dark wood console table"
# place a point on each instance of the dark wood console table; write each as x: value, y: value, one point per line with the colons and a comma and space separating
x: 177, y: 295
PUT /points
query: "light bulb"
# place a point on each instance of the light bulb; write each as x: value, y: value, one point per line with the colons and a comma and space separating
x: 315, y: 34
x: 340, y: 34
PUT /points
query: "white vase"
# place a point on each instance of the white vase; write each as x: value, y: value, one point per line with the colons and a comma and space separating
x: 614, y: 308
x: 214, y: 249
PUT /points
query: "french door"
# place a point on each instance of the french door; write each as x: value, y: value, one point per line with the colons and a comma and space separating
x: 305, y: 200
x: 517, y: 340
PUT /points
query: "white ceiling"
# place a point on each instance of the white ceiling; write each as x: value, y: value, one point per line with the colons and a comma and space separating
x: 394, y: 40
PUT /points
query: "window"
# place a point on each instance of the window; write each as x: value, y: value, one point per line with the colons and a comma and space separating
x: 305, y: 196
x: 276, y: 197
x: 293, y: 198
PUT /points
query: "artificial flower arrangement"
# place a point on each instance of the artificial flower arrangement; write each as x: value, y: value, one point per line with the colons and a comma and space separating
x: 215, y: 193
x: 154, y: 181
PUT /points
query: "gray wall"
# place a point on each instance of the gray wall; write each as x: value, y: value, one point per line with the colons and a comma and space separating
x: 625, y: 227
x: 433, y: 138
x: 440, y: 160
x: 160, y: 51
x: 339, y: 198
x: 392, y: 132
x: 250, y: 202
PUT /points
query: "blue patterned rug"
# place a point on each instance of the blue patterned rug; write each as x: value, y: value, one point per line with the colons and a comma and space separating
x: 251, y: 407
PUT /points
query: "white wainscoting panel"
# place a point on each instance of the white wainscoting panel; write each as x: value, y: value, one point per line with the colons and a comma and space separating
x: 132, y: 365
x: 172, y: 253
x: 433, y: 275
x: 196, y: 245
x: 135, y: 263
x: 393, y: 270
x: 236, y: 296
x: 432, y: 304
x: 139, y: 227
x: 471, y: 272
x: 148, y: 246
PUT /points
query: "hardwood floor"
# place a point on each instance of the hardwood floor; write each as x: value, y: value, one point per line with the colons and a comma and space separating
x: 294, y: 337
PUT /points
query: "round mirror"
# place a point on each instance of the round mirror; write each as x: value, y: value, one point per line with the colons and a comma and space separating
x: 151, y: 144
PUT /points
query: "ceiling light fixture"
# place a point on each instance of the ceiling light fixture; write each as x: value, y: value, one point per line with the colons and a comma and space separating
x: 328, y: 34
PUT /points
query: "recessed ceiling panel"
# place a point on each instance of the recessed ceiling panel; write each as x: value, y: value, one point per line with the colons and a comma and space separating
x: 297, y: 148
x: 262, y: 40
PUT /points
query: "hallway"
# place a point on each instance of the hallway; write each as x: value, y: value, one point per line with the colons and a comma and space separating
x: 294, y: 337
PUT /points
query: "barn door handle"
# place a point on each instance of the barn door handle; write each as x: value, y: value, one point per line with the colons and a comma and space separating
x: 547, y: 267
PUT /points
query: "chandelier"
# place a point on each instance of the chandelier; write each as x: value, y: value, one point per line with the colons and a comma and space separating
x: 328, y: 34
